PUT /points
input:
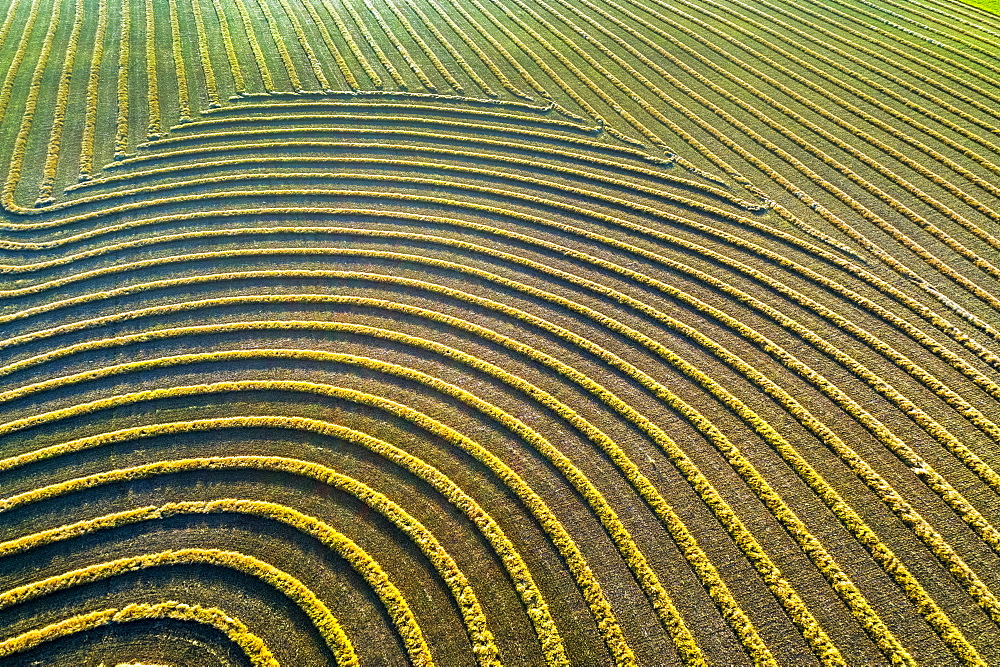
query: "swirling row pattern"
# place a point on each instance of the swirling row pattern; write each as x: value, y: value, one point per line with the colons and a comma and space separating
x: 565, y: 332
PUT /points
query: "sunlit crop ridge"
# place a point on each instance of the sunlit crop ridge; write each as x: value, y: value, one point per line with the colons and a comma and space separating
x: 569, y: 332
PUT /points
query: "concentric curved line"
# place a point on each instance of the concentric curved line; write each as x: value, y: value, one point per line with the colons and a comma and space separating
x: 252, y: 646
x: 325, y: 623
x: 534, y: 604
x: 966, y: 507
x: 396, y: 605
x: 755, y: 241
x: 851, y: 519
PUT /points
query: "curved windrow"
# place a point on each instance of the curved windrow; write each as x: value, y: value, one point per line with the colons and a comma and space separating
x: 496, y: 332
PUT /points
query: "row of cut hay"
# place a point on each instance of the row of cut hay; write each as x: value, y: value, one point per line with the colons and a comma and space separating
x: 855, y: 43
x: 466, y: 551
x: 404, y: 563
x: 527, y: 388
x: 560, y: 538
x: 610, y: 254
x: 945, y: 393
x: 422, y: 470
x: 885, y: 226
x: 977, y: 291
x: 252, y: 647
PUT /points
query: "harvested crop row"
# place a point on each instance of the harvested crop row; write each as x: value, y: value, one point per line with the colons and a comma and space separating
x: 565, y: 332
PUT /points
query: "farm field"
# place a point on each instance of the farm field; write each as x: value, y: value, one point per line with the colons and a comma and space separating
x: 499, y: 332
